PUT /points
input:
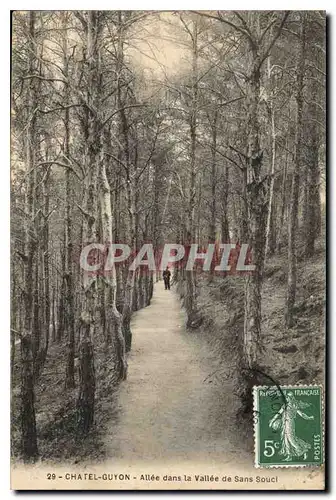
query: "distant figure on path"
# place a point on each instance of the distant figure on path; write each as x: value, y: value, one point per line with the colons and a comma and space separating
x: 166, y: 278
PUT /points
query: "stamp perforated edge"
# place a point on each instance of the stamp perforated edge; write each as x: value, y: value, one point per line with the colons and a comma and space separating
x: 256, y: 426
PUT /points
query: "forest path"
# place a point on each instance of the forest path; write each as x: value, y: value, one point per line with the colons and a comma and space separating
x: 168, y: 409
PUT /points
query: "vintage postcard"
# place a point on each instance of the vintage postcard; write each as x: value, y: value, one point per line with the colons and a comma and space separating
x: 168, y: 251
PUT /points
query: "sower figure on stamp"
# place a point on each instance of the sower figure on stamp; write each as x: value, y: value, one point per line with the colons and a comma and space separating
x: 284, y: 419
x: 166, y: 278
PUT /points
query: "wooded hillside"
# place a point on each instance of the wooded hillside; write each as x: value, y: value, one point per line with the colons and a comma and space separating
x: 112, y: 142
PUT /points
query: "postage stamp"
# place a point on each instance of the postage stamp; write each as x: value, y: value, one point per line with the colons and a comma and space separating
x: 288, y: 426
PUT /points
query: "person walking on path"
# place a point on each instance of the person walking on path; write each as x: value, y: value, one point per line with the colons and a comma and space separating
x: 166, y: 278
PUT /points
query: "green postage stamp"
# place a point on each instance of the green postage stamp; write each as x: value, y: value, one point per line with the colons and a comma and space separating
x: 288, y: 426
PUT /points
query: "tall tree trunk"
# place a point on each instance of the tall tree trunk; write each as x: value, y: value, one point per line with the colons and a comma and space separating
x: 283, y: 201
x: 130, y: 297
x: 213, y: 214
x: 113, y: 317
x: 46, y: 263
x: 54, y: 330
x: 36, y: 310
x: 270, y: 213
x: 61, y: 315
x: 87, y: 382
x: 28, y: 421
x: 293, y: 218
x: 256, y: 205
x: 311, y: 223
x: 43, y: 278
x: 70, y: 313
x: 225, y: 234
x: 124, y: 133
x: 115, y: 176
x: 156, y: 218
x: 190, y: 298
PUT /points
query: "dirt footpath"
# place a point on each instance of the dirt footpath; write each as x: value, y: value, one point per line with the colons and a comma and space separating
x: 168, y: 407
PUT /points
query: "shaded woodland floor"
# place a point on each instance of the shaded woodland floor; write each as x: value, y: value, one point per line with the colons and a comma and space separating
x: 185, y: 396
